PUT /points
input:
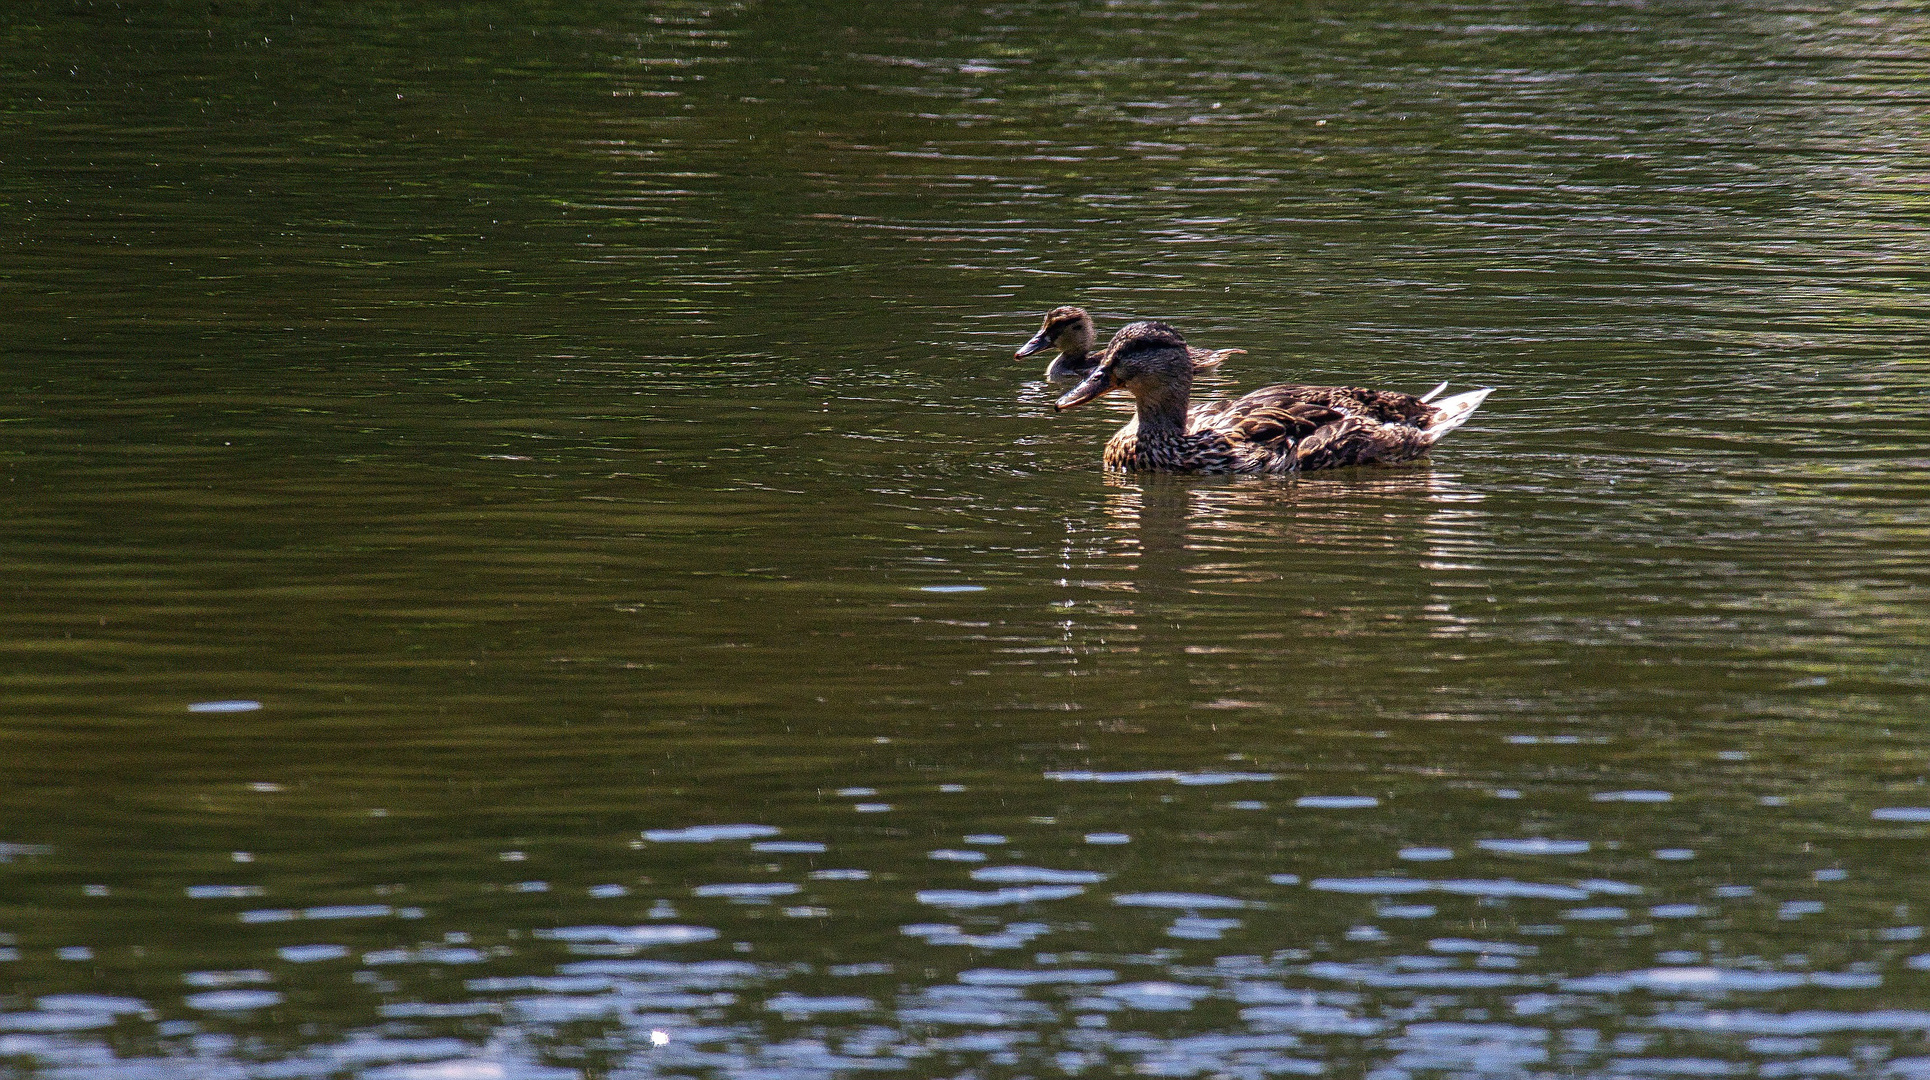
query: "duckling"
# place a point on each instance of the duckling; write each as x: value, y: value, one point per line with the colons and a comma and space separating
x: 1069, y: 330
x: 1278, y: 429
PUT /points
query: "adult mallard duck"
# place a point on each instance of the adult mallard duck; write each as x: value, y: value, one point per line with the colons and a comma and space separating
x: 1069, y: 330
x: 1279, y: 429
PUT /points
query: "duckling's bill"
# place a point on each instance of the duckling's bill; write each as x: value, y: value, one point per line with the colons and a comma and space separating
x: 1040, y: 342
x: 1097, y: 383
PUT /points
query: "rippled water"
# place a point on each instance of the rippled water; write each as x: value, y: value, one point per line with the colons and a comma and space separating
x: 528, y: 554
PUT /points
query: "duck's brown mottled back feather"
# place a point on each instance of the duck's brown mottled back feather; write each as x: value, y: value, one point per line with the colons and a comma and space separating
x: 1355, y: 441
x: 1387, y: 406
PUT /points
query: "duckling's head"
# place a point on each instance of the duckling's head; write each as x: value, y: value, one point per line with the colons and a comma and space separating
x: 1067, y: 329
x: 1146, y: 359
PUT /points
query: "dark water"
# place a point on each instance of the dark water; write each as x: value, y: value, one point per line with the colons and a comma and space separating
x: 579, y: 427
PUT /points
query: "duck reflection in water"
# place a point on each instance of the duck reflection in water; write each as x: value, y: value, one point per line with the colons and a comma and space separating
x: 1254, y: 530
x: 1253, y: 565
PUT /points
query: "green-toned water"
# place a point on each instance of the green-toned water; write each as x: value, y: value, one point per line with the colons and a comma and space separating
x: 527, y: 553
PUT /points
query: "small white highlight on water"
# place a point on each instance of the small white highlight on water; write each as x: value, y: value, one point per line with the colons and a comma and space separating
x: 1534, y: 845
x: 224, y: 706
x: 659, y: 1038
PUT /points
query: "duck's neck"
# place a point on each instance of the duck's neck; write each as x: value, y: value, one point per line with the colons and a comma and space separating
x: 1162, y: 412
x: 1070, y: 364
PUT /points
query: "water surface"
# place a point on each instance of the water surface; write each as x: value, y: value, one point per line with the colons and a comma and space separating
x: 528, y: 554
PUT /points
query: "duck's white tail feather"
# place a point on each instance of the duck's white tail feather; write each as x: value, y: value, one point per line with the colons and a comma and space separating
x: 1432, y: 394
x: 1452, y: 412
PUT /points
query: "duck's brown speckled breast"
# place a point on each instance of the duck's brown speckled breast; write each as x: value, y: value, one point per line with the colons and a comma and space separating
x: 1201, y: 452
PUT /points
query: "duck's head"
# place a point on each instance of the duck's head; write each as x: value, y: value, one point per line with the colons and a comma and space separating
x: 1145, y: 359
x: 1067, y: 329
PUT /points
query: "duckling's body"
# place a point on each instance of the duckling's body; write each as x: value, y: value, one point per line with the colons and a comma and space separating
x: 1277, y: 429
x: 1069, y: 330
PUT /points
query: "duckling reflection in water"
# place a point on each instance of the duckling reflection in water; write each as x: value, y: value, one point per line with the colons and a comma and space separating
x: 1069, y: 330
x: 1278, y: 429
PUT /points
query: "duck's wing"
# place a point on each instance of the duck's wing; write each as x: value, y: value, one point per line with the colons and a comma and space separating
x: 1386, y: 406
x: 1299, y: 428
x: 1357, y: 440
x: 1210, y: 358
x: 1363, y: 440
x: 1273, y: 419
